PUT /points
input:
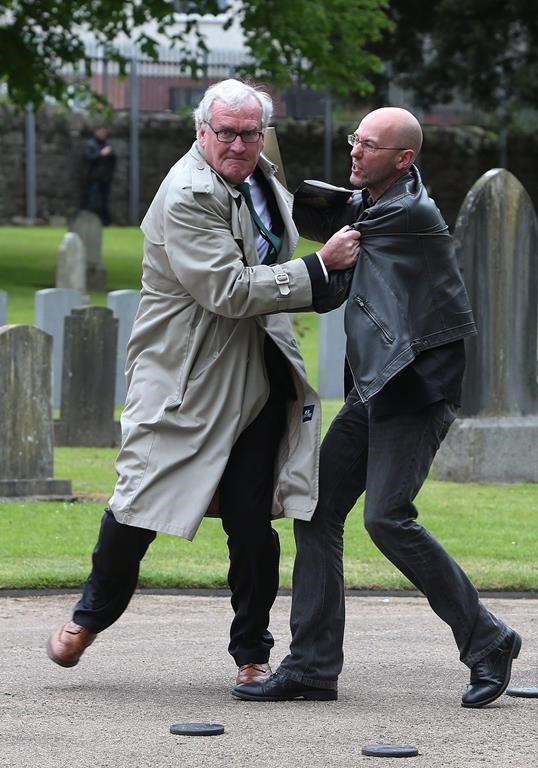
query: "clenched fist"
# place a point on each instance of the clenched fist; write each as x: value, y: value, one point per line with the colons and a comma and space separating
x: 342, y: 250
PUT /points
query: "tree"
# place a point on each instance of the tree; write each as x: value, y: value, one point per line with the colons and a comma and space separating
x: 322, y: 43
x: 483, y: 50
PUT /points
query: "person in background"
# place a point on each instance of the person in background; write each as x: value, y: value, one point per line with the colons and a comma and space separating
x: 100, y: 160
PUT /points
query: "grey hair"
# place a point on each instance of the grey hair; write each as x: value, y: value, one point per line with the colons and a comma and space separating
x: 234, y: 93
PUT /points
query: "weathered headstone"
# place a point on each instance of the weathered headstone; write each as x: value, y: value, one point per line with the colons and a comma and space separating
x: 271, y: 151
x: 3, y: 307
x: 71, y: 263
x: 496, y: 239
x: 52, y: 305
x: 124, y: 305
x: 26, y: 436
x: 89, y: 379
x: 332, y: 353
x: 88, y: 227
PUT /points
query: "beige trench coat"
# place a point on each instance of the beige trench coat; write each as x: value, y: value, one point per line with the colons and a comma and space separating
x: 195, y: 365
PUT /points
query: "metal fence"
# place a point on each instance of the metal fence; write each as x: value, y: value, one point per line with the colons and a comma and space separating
x: 161, y: 85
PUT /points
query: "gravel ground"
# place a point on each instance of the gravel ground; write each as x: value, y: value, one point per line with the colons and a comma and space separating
x: 166, y: 662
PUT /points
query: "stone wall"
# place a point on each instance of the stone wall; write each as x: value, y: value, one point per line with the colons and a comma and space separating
x: 452, y: 159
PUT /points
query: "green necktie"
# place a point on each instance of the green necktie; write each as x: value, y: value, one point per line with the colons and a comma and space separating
x: 274, y: 241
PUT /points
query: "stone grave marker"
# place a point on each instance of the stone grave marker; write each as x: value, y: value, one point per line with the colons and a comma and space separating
x: 332, y: 354
x: 52, y: 305
x: 271, y: 151
x: 124, y: 305
x: 89, y: 379
x: 88, y: 227
x: 3, y: 307
x: 71, y: 263
x: 27, y: 434
x: 496, y: 240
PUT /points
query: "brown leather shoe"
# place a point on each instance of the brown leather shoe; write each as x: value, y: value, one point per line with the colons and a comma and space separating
x: 253, y: 673
x: 67, y: 644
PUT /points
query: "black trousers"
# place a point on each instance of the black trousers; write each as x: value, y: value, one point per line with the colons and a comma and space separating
x: 390, y: 460
x: 245, y: 495
x: 98, y: 199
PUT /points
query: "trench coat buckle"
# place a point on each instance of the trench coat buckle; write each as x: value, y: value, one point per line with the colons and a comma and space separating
x: 281, y: 279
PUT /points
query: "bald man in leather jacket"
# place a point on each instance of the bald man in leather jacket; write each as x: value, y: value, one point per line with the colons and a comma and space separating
x: 406, y: 317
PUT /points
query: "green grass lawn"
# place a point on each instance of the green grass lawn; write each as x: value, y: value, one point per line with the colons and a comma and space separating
x: 492, y: 530
x: 28, y: 262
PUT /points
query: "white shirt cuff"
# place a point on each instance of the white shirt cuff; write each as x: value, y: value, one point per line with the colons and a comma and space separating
x: 324, y: 268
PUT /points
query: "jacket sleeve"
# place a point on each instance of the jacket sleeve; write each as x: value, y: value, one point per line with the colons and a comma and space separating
x: 326, y: 295
x: 204, y: 247
x: 336, y: 292
x: 319, y: 225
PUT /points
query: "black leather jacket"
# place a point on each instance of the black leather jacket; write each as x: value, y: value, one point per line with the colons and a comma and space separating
x: 406, y: 293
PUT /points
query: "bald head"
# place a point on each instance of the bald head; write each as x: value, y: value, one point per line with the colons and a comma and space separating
x: 385, y: 145
x: 396, y: 126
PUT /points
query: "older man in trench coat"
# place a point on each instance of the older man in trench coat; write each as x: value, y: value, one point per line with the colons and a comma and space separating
x: 218, y: 404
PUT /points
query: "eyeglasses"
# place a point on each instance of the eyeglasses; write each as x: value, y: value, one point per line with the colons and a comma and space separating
x: 226, y: 136
x: 367, y: 145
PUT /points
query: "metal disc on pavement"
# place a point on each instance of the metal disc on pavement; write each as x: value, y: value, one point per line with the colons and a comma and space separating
x: 196, y: 729
x: 524, y: 693
x: 389, y: 750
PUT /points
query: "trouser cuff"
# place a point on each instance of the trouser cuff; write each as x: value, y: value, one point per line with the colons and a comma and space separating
x: 327, y: 685
x: 473, y: 658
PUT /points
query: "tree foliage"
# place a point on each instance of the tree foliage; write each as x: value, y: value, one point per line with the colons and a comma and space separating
x: 484, y: 50
x: 320, y: 42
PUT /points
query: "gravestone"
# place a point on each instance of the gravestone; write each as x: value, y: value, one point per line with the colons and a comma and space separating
x: 271, y: 151
x: 88, y: 227
x: 27, y: 435
x: 496, y: 240
x: 3, y: 307
x: 71, y: 263
x: 89, y: 379
x: 124, y: 305
x: 52, y: 305
x: 332, y: 353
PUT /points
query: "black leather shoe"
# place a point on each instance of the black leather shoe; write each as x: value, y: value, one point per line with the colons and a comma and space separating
x: 278, y: 687
x: 491, y: 675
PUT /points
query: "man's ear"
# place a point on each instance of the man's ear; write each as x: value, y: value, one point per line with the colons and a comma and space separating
x: 406, y: 159
x: 201, y: 133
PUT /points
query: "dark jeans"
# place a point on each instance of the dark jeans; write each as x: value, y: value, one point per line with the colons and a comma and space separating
x: 389, y: 459
x: 98, y: 199
x: 245, y: 496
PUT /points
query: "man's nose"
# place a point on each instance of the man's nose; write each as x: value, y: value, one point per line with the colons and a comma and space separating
x: 356, y: 150
x: 238, y: 145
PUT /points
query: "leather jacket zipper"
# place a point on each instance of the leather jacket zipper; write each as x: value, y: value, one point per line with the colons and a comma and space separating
x: 375, y: 320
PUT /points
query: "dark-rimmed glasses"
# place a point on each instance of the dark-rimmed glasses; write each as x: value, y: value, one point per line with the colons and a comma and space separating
x: 227, y: 136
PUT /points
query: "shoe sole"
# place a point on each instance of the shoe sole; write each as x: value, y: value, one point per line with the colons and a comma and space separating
x: 516, y: 647
x: 327, y: 695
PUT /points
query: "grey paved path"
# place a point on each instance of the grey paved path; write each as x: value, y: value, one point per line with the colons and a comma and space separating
x: 165, y: 662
